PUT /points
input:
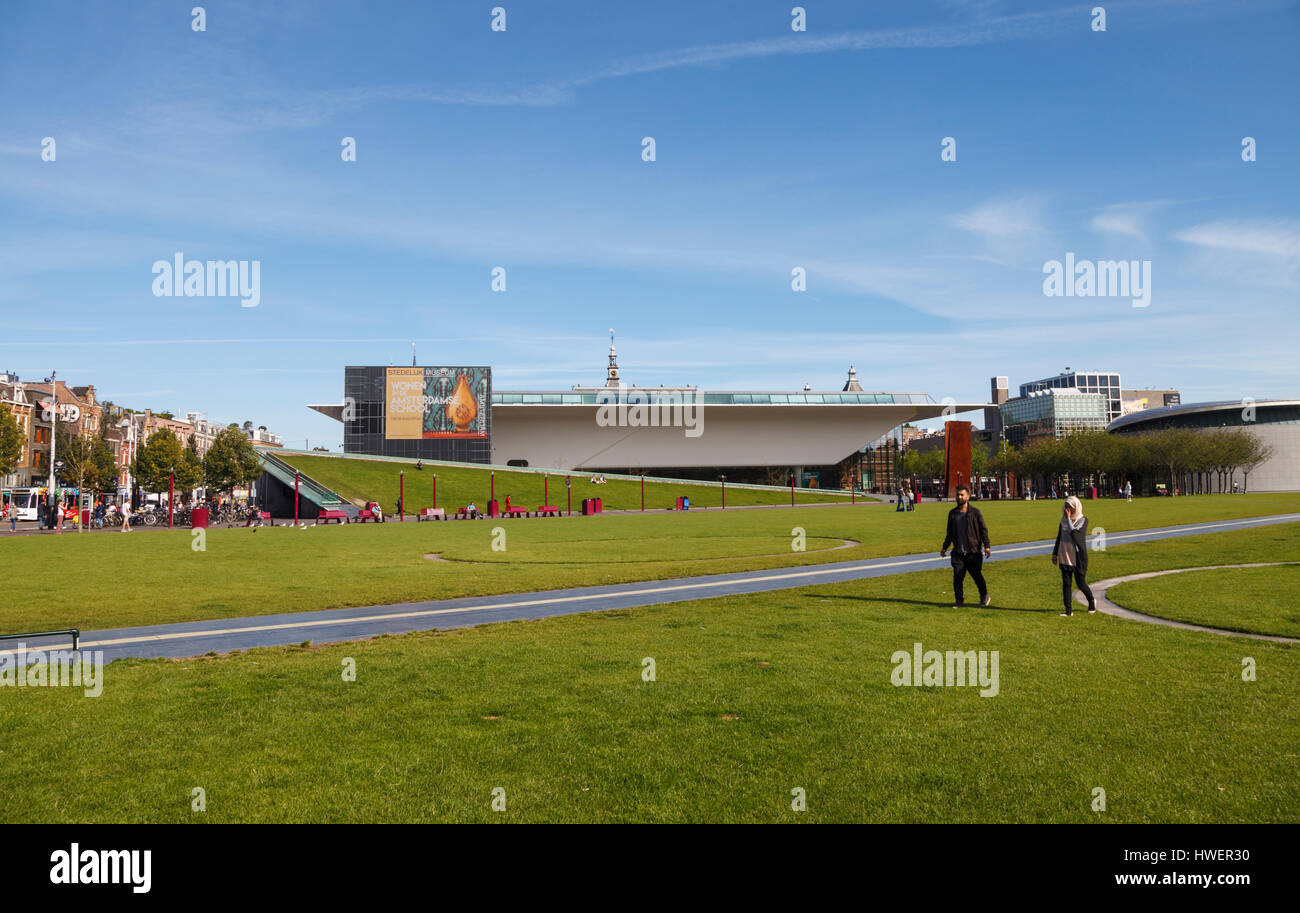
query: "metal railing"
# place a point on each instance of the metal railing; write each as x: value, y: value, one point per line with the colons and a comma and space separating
x: 74, y: 632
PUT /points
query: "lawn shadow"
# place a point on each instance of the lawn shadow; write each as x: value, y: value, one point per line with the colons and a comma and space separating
x: 931, y: 604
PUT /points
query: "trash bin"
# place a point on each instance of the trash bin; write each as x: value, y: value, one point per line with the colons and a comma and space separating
x: 686, y: 503
x: 199, y: 518
x: 600, y: 505
x: 85, y: 517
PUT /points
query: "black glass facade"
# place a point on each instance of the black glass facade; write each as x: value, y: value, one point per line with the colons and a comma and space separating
x: 364, y: 424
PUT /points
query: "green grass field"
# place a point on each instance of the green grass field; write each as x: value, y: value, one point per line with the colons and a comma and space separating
x: 755, y: 696
x: 110, y: 579
x: 1264, y: 600
x: 377, y: 480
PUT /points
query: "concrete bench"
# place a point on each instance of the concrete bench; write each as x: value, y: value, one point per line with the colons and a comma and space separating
x: 431, y: 513
x: 325, y: 516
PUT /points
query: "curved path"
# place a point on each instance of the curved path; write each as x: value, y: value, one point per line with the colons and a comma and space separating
x: 194, y: 638
x: 1105, y: 605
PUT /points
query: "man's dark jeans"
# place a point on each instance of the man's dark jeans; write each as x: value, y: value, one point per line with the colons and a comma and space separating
x: 963, y: 562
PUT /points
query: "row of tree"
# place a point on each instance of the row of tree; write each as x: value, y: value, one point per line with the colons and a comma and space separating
x: 1185, y: 459
x: 90, y: 465
x: 1182, y: 458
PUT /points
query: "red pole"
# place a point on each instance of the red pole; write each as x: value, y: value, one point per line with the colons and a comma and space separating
x: 724, y: 492
x: 171, y: 496
x: 493, y: 495
x: 435, y: 489
x: 546, y: 488
x: 642, y: 494
x: 401, y: 494
x: 853, y: 492
x: 295, y: 497
x: 792, y: 489
x: 568, y: 490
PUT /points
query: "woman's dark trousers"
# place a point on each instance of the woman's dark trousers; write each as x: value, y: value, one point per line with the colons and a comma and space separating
x: 1080, y: 580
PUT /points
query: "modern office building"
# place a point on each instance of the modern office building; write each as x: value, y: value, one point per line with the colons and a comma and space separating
x: 998, y: 394
x: 1275, y: 422
x: 1052, y: 412
x: 1105, y: 383
x: 1137, y: 400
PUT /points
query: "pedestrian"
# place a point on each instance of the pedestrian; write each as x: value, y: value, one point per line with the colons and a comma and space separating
x: 898, y: 503
x: 967, y: 533
x: 1070, y: 554
x: 1128, y: 491
x: 126, y: 519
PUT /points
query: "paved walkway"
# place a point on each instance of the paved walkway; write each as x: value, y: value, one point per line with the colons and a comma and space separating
x: 1110, y: 608
x: 195, y: 638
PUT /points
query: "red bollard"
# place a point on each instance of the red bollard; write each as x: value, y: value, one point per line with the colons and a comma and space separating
x: 401, y: 494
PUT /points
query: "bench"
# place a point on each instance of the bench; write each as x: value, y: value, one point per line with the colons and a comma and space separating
x: 464, y: 514
x: 514, y: 512
x: 364, y: 515
x: 325, y: 516
x: 431, y: 513
x: 546, y: 510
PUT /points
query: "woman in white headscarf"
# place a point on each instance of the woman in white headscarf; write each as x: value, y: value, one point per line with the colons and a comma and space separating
x: 1070, y: 554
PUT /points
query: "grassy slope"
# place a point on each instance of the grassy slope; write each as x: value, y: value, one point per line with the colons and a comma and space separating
x: 1262, y: 600
x: 556, y: 713
x: 146, y: 577
x: 377, y: 480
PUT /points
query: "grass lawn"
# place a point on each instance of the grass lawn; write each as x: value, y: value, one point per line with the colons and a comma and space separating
x: 377, y: 480
x: 755, y: 696
x: 1262, y: 600
x: 110, y: 579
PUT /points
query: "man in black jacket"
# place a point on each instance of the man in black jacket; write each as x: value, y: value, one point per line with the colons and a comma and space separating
x: 966, y: 534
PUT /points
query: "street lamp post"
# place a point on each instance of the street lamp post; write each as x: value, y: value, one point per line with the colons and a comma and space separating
x: 295, y: 497
x: 401, y: 494
x: 724, y: 491
x: 54, y: 437
x: 171, y: 494
x: 642, y: 494
x: 435, y: 489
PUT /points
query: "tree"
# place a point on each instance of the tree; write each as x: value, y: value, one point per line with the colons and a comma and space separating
x: 189, y: 472
x: 231, y: 461
x: 155, y: 461
x: 11, y: 441
x: 106, y: 468
x: 1254, y: 452
x: 77, y: 454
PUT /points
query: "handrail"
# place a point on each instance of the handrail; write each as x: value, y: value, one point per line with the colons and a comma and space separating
x: 75, y: 632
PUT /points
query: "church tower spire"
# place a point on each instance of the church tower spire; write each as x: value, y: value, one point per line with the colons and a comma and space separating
x: 611, y: 374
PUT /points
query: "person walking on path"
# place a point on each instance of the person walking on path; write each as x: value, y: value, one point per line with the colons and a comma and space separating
x: 1070, y: 554
x: 1128, y: 491
x: 966, y: 534
x: 126, y: 519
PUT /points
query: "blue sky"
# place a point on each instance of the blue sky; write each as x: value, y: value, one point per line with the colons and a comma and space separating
x: 522, y: 149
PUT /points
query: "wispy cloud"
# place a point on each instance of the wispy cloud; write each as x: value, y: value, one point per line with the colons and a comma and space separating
x: 1280, y: 238
x: 999, y: 219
